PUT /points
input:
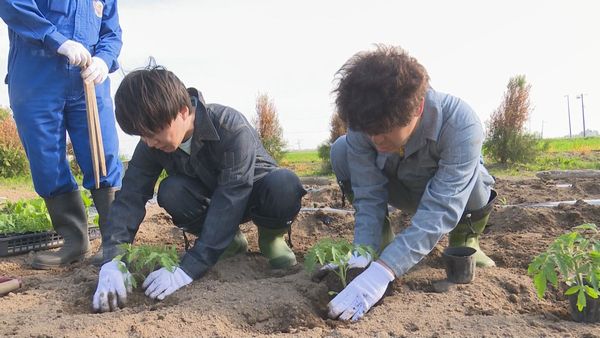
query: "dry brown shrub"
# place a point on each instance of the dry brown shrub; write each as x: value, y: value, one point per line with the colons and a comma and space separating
x: 13, y: 161
x: 267, y: 125
x: 337, y: 127
x: 507, y: 139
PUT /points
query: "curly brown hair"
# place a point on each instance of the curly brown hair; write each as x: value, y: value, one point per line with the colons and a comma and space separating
x: 380, y: 90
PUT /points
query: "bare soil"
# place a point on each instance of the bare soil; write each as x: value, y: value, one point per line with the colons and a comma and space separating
x: 242, y: 296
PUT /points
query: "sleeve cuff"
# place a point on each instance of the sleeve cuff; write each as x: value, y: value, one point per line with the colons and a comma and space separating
x: 54, y: 40
x: 192, y: 266
x: 109, y: 252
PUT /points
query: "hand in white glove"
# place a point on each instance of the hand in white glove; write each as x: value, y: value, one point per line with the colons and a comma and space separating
x: 113, y: 286
x: 355, y: 261
x: 162, y: 282
x: 361, y: 294
x: 96, y: 72
x: 76, y: 53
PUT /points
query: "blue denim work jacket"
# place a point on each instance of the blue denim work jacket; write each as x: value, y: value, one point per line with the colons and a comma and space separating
x: 440, y: 165
x: 226, y: 156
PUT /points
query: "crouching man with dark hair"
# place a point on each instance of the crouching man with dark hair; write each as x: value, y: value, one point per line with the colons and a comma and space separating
x: 413, y: 148
x: 219, y: 176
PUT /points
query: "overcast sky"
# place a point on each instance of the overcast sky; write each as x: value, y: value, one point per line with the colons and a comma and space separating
x: 291, y: 50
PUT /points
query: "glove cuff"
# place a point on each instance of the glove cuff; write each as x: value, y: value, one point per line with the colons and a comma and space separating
x: 379, y: 273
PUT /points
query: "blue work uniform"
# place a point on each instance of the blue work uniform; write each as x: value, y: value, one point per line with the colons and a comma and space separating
x: 439, y: 175
x: 46, y: 92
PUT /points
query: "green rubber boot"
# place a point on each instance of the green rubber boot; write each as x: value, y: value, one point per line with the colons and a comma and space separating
x: 469, y: 230
x: 238, y: 245
x: 69, y: 220
x: 273, y: 246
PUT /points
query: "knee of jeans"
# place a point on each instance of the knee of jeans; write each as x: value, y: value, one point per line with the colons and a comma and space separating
x: 285, y: 182
x: 168, y: 190
x: 339, y: 159
x: 285, y: 193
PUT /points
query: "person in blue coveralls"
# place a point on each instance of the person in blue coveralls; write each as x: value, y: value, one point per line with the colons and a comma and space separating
x: 416, y: 149
x: 54, y: 47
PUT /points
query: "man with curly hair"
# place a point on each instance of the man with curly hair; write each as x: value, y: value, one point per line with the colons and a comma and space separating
x: 416, y: 149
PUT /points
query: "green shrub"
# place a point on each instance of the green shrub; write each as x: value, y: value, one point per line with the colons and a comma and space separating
x: 324, y: 151
x: 13, y: 162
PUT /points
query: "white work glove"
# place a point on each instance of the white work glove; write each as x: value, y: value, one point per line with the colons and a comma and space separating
x: 355, y: 261
x: 113, y: 286
x: 96, y: 72
x: 361, y: 294
x: 161, y: 283
x: 76, y: 53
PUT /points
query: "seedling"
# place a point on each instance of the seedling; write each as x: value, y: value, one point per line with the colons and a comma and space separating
x: 337, y: 252
x: 576, y: 257
x: 140, y: 260
x: 25, y: 216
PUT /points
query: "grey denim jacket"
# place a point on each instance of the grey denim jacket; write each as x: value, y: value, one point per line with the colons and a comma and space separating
x: 226, y: 156
x: 441, y: 163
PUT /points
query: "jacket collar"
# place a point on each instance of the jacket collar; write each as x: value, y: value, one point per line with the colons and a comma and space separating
x: 204, y: 128
x: 428, y: 127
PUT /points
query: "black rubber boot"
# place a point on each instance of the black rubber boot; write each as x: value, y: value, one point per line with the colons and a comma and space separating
x: 103, y: 198
x: 69, y: 220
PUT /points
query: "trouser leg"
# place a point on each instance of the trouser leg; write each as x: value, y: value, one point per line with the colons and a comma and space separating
x: 187, y: 201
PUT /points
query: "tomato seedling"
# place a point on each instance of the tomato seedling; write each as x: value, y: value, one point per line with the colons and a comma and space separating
x: 576, y: 258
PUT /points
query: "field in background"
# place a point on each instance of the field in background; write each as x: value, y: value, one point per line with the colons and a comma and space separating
x: 303, y: 162
x: 561, y: 154
x: 581, y: 145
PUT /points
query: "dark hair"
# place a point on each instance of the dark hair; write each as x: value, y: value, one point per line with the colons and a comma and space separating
x: 149, y: 99
x: 379, y: 90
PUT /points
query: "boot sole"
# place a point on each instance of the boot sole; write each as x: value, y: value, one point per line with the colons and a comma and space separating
x: 282, y: 262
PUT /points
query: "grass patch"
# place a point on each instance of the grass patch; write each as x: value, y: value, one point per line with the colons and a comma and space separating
x: 303, y: 163
x: 17, y: 182
x: 575, y: 145
x: 548, y: 161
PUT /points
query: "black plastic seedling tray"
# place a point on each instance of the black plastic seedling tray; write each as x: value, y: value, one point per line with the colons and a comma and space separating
x: 22, y: 243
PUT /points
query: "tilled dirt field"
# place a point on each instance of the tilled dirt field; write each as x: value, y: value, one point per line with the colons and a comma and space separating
x: 242, y: 297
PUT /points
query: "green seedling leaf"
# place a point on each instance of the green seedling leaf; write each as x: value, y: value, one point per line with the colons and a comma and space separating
x: 581, y: 302
x: 143, y: 259
x: 572, y: 290
x: 591, y: 292
x: 572, y: 258
x: 539, y: 281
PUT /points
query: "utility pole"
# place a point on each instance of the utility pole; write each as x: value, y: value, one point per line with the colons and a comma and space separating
x: 542, y: 135
x: 569, y: 113
x: 582, y: 112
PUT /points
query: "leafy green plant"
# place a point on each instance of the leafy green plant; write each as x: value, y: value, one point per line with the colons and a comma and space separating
x: 31, y: 215
x: 140, y: 260
x: 335, y: 251
x: 24, y: 216
x: 576, y: 258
